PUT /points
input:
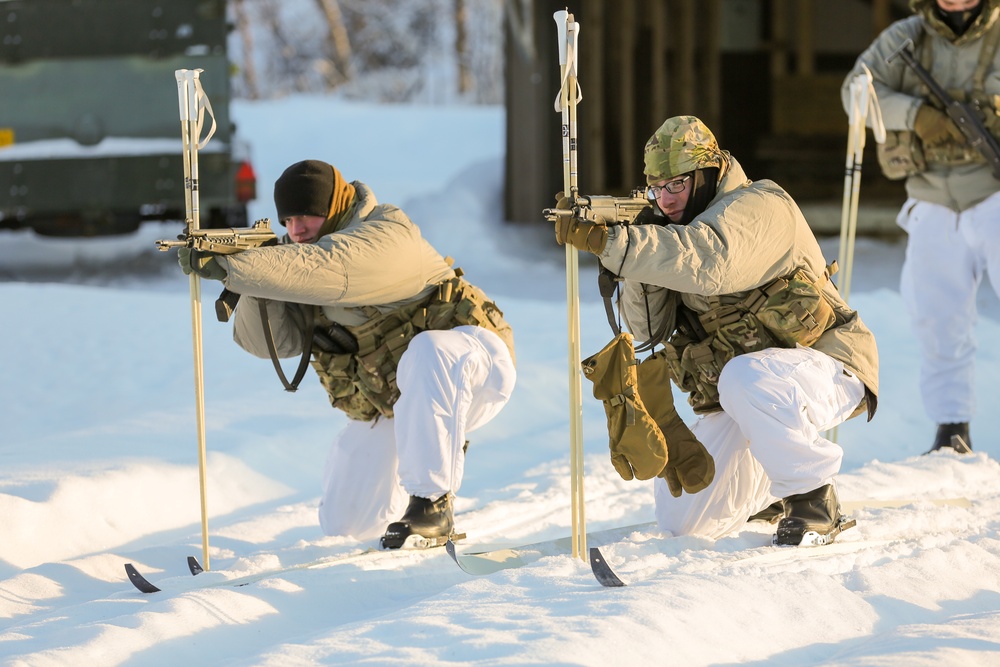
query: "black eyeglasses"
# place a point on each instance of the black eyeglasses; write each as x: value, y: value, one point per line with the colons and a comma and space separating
x: 673, y: 187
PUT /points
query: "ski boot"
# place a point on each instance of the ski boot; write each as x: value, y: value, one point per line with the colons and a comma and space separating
x: 811, y: 519
x: 425, y: 524
x: 769, y: 514
x: 955, y: 436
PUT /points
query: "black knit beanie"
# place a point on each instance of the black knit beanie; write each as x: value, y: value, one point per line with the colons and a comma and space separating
x: 305, y: 188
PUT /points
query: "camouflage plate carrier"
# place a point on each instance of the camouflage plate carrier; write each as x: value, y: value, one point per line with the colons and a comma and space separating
x: 785, y: 313
x: 363, y: 384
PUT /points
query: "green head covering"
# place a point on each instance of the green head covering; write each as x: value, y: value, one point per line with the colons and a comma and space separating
x: 681, y: 145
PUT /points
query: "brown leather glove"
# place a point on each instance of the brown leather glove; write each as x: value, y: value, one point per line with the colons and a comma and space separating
x: 689, y: 466
x: 934, y: 127
x: 581, y: 234
x: 637, y: 448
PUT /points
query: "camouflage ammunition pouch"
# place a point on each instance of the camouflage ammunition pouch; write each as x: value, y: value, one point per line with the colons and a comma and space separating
x: 456, y: 303
x: 786, y: 312
x: 795, y: 311
x: 363, y: 384
x: 638, y: 448
x: 901, y: 155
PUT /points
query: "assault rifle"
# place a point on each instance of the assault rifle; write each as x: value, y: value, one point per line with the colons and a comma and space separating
x: 224, y: 242
x: 603, y: 209
x: 964, y: 116
x: 609, y: 211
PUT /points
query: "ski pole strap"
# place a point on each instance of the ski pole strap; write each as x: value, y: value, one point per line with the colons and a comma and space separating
x: 307, y: 341
x: 203, y: 105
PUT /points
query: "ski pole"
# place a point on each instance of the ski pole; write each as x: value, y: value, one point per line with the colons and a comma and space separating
x: 192, y: 102
x: 862, y: 101
x: 857, y: 116
x: 568, y: 34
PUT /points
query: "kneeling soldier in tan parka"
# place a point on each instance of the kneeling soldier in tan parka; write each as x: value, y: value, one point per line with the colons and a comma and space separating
x: 727, y: 274
x: 413, y: 354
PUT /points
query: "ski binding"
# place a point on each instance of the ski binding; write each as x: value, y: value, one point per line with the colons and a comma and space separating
x: 811, y: 538
x: 415, y: 541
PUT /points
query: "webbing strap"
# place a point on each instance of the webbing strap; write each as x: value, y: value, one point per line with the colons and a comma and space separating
x: 607, y: 283
x: 307, y: 341
x: 986, y: 53
x: 991, y: 40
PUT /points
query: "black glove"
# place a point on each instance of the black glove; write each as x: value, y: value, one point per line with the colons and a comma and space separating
x: 200, y: 262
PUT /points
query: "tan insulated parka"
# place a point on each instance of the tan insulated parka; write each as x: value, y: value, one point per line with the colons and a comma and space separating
x: 376, y: 258
x: 900, y: 93
x: 751, y: 234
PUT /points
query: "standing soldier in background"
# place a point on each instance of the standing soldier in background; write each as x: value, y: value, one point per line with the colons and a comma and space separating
x: 413, y: 354
x: 952, y: 213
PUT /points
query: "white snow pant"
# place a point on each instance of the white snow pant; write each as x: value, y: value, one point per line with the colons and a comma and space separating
x: 946, y: 256
x: 450, y: 383
x: 767, y: 443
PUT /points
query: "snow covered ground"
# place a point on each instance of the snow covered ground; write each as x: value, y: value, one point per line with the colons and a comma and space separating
x: 98, y: 468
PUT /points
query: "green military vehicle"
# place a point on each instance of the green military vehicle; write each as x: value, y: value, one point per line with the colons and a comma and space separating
x: 90, y: 134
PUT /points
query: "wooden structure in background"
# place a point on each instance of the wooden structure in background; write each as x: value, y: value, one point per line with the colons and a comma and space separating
x: 759, y: 83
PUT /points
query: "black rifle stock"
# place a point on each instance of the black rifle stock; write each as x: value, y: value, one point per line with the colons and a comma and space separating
x: 964, y: 116
x: 227, y: 241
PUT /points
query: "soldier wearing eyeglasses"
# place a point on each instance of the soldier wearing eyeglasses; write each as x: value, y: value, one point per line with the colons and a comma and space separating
x: 725, y: 274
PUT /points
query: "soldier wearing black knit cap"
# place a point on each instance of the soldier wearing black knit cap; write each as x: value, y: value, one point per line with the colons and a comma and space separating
x: 420, y: 357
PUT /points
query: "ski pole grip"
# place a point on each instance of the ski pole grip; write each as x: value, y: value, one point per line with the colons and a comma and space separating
x: 574, y: 41
x: 182, y: 77
x: 187, y: 93
x: 560, y: 19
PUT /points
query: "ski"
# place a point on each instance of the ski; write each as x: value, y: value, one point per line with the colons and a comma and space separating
x: 602, y: 571
x: 138, y: 580
x: 488, y: 561
x: 607, y: 577
x: 852, y: 505
x: 145, y: 586
x: 768, y: 554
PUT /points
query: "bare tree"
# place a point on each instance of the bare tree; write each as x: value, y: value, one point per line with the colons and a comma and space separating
x: 389, y: 51
x: 246, y: 36
x: 339, y: 39
x: 465, y: 81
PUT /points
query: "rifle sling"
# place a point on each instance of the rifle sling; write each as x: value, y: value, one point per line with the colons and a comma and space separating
x: 607, y: 284
x: 307, y: 342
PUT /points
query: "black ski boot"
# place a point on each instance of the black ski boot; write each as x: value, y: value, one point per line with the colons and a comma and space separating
x: 769, y: 514
x: 425, y: 524
x: 811, y: 519
x: 955, y: 436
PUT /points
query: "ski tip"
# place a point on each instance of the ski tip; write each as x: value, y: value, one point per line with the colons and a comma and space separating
x: 602, y: 571
x: 195, y: 566
x: 138, y: 580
